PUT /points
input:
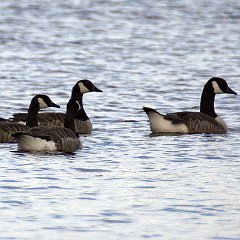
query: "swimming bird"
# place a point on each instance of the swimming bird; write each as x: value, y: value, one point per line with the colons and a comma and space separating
x: 7, y: 128
x: 205, y: 121
x: 48, y: 139
x: 83, y: 124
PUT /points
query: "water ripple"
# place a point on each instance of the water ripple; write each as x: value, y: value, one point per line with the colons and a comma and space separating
x: 125, y: 183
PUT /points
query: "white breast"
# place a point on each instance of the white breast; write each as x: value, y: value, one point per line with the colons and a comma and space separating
x: 222, y: 122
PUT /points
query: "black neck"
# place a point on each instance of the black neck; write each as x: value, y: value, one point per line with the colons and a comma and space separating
x: 69, y: 121
x: 76, y: 93
x: 207, y: 102
x: 81, y: 114
x: 33, y: 109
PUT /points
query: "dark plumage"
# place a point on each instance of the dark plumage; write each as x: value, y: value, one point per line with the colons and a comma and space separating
x: 205, y: 121
x: 7, y: 128
x: 83, y: 124
x: 63, y: 139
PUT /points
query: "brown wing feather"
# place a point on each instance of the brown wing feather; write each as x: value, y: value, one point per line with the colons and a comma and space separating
x: 49, y: 119
x: 197, y: 122
x: 64, y: 138
x: 8, y: 128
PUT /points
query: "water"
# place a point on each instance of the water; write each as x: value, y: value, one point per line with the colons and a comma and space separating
x: 124, y: 183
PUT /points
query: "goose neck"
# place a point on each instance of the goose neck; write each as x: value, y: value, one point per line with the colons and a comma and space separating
x: 207, y: 102
x: 81, y: 115
x: 69, y: 120
x: 32, y: 116
x: 77, y: 94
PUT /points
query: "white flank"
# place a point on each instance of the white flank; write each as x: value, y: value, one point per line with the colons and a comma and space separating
x: 34, y: 144
x: 158, y: 124
x: 217, y: 89
x: 41, y: 103
x: 82, y: 88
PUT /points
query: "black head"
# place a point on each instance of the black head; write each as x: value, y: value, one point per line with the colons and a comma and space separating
x: 43, y: 101
x: 219, y: 86
x: 84, y: 86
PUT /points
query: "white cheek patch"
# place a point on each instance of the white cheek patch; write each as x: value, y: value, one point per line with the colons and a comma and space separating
x: 217, y: 89
x: 82, y: 88
x: 41, y: 103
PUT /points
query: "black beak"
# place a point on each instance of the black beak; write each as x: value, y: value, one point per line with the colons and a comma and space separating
x: 230, y: 91
x: 54, y: 105
x: 95, y: 89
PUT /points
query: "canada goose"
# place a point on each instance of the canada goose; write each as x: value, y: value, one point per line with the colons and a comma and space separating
x: 82, y: 123
x: 7, y: 128
x: 44, y: 139
x: 205, y: 121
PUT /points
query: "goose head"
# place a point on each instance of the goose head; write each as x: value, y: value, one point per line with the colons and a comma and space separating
x: 84, y: 86
x: 38, y: 102
x: 41, y: 101
x: 219, y: 86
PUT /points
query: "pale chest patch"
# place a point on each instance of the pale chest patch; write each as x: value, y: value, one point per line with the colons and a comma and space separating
x: 83, y: 127
x: 222, y: 122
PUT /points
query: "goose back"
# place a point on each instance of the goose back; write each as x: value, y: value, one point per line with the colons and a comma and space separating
x: 197, y: 122
x: 183, y: 122
x: 52, y: 119
x: 63, y: 139
x: 48, y: 139
x: 83, y: 124
x: 8, y: 128
x: 205, y: 121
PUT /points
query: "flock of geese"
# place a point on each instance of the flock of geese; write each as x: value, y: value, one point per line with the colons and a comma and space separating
x: 52, y: 131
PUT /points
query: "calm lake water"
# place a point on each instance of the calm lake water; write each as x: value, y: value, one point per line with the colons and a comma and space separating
x: 124, y: 183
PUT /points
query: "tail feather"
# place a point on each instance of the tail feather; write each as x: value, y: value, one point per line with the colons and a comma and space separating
x: 148, y: 110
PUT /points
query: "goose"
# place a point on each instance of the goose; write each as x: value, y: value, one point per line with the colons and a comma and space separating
x: 48, y: 139
x: 205, y: 121
x: 38, y: 102
x: 82, y: 123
